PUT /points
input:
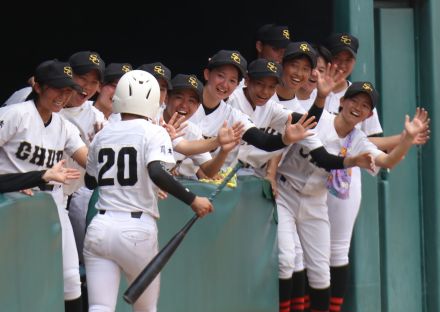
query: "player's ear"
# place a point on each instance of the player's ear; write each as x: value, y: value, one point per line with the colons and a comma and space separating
x: 247, y: 80
x: 206, y: 72
x: 37, y: 88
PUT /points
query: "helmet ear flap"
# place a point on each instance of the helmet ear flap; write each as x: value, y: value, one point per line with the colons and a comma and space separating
x: 138, y: 93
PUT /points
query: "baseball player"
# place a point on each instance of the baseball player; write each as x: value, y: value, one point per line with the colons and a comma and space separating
x: 223, y: 73
x: 163, y: 76
x: 271, y: 41
x: 125, y: 162
x: 113, y: 72
x: 13, y: 182
x: 303, y: 187
x: 34, y: 137
x: 255, y: 100
x: 183, y: 99
x: 88, y: 72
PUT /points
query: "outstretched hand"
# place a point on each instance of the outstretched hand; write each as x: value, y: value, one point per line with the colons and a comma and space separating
x: 327, y: 81
x: 60, y: 174
x: 230, y: 137
x: 418, y: 127
x: 364, y: 160
x: 175, y: 125
x: 299, y: 130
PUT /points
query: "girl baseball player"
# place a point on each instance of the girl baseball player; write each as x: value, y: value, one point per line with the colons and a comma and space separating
x: 343, y: 212
x: 34, y: 137
x: 303, y: 188
x: 223, y: 73
x: 125, y: 162
x: 187, y: 92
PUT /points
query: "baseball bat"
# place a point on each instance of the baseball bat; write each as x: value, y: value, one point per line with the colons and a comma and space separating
x: 153, y: 268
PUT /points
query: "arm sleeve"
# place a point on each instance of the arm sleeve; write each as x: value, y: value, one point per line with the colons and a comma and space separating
x: 264, y: 141
x: 323, y: 159
x: 90, y: 181
x: 13, y: 182
x: 166, y: 182
x: 315, y: 111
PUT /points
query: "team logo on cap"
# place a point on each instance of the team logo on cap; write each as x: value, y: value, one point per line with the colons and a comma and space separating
x: 126, y: 68
x: 304, y: 47
x: 286, y: 34
x: 158, y: 69
x: 272, y: 67
x: 236, y: 57
x: 367, y: 87
x: 346, y: 39
x: 94, y: 59
x: 68, y: 70
x: 193, y: 81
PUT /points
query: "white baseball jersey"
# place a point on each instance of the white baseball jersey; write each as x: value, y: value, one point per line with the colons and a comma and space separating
x: 27, y: 144
x: 293, y: 104
x: 19, y: 96
x: 118, y: 159
x: 211, y: 123
x: 306, y: 104
x: 270, y: 118
x: 369, y: 126
x: 309, y: 179
x: 114, y: 117
x: 84, y: 117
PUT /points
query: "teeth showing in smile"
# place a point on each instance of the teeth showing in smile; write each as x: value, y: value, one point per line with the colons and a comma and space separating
x: 355, y: 114
x: 183, y: 113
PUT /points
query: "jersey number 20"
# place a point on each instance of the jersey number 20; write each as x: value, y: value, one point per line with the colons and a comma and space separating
x: 107, y: 155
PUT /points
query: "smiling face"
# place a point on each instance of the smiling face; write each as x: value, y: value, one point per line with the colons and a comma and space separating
x: 90, y: 84
x: 345, y: 62
x: 183, y: 101
x: 356, y: 108
x: 221, y: 81
x: 51, y: 100
x: 296, y: 72
x: 259, y: 90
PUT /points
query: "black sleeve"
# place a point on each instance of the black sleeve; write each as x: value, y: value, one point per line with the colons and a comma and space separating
x: 315, y: 111
x: 296, y: 117
x: 323, y: 159
x: 264, y: 141
x: 168, y: 183
x: 13, y: 182
x: 90, y: 182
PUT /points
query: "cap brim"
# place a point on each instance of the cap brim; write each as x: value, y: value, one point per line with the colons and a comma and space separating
x: 265, y: 74
x: 336, y: 50
x: 299, y: 54
x: 186, y: 87
x: 167, y: 80
x: 281, y: 44
x: 353, y: 93
x: 82, y: 70
x: 218, y: 64
x: 65, y: 83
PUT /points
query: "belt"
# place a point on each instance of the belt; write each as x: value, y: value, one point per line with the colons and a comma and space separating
x: 283, y: 178
x: 46, y: 187
x: 134, y: 214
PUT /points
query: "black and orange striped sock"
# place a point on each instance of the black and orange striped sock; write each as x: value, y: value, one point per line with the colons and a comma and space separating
x: 285, y: 289
x: 298, y: 291
x: 338, y: 276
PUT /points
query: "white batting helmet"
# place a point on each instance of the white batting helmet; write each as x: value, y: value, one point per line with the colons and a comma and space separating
x: 138, y: 93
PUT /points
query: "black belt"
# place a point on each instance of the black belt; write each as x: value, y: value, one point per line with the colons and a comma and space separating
x: 134, y: 214
x: 283, y: 178
x: 46, y: 187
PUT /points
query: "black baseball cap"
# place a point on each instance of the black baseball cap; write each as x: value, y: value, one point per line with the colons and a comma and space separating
x: 158, y: 70
x: 277, y: 36
x: 229, y: 57
x: 115, y: 71
x: 342, y: 41
x: 298, y: 49
x: 363, y: 87
x: 183, y: 81
x: 264, y: 68
x: 56, y: 74
x: 85, y: 61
